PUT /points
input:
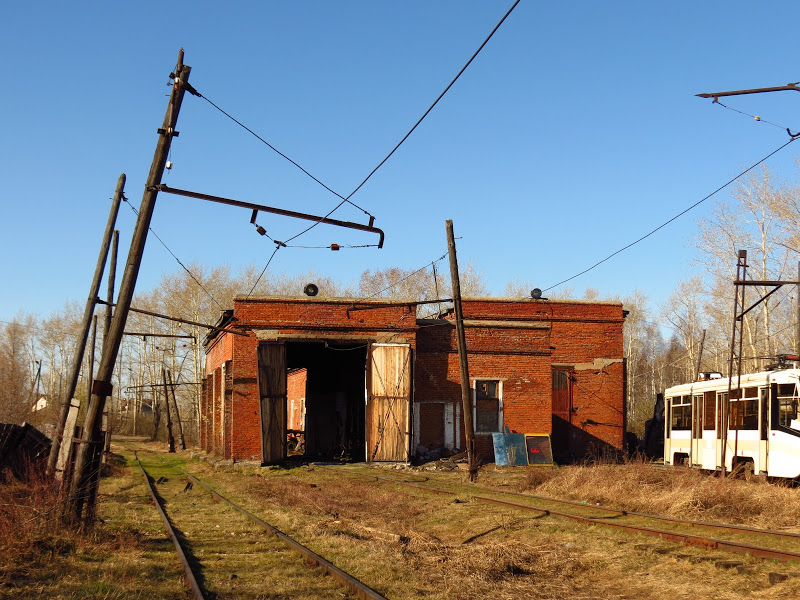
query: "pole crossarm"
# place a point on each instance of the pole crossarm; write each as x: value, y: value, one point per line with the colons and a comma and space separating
x: 741, y: 315
x: 754, y: 282
x: 781, y: 88
x: 776, y: 285
x: 164, y: 335
x: 150, y: 313
x: 149, y: 386
x: 277, y: 211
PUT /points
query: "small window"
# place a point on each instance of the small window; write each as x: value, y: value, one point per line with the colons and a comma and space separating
x: 788, y: 403
x: 681, y: 413
x: 487, y: 406
x: 744, y: 414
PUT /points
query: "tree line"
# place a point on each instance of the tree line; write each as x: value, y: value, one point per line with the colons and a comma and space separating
x: 663, y: 343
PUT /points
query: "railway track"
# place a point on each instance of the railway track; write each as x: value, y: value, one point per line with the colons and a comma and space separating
x: 742, y: 540
x: 224, y: 552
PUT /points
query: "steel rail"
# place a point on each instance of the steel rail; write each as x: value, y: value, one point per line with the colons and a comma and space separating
x: 360, y: 589
x: 190, y: 578
x: 625, y: 513
x: 692, y: 540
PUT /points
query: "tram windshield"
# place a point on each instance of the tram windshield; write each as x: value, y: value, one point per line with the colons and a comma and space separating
x: 788, y: 401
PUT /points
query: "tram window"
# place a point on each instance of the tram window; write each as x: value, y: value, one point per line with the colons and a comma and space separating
x: 681, y: 413
x: 744, y: 414
x: 764, y: 413
x: 709, y: 410
x: 751, y: 392
x: 788, y: 401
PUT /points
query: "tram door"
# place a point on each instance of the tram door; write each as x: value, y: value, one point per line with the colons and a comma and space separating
x: 695, y: 457
x: 763, y: 427
x: 721, y: 398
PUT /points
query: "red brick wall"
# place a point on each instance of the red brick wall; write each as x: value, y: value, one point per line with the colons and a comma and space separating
x: 518, y: 357
x: 227, y: 400
x: 204, y: 414
x: 589, y: 337
x: 219, y: 350
x: 300, y: 317
x: 515, y: 342
x: 245, y: 403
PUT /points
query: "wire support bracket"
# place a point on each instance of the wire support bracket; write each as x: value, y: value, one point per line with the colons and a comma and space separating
x: 277, y: 211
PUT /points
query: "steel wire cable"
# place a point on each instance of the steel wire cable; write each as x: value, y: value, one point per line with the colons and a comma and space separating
x: 680, y: 214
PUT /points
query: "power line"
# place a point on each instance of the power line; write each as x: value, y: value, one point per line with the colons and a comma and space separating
x: 464, y: 68
x: 409, y: 276
x: 197, y: 281
x: 644, y: 237
x: 346, y: 199
x: 279, y: 153
x: 274, y: 252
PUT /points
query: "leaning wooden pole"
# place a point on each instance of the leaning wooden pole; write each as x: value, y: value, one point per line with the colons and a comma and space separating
x: 466, y: 401
x: 170, y: 437
x: 102, y: 386
x: 77, y: 359
x: 181, y: 439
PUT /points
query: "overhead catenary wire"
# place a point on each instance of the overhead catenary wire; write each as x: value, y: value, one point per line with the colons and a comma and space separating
x: 410, y: 131
x: 399, y: 281
x: 347, y: 199
x: 264, y: 270
x: 680, y: 214
x: 274, y: 149
x: 754, y: 117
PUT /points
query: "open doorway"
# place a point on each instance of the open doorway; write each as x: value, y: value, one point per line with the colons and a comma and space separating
x: 330, y: 377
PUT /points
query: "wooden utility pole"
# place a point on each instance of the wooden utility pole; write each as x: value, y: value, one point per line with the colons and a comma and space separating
x: 699, y: 356
x: 171, y: 388
x: 77, y: 359
x: 466, y: 401
x: 170, y: 437
x: 797, y: 324
x: 92, y: 350
x: 102, y: 387
x: 112, y: 276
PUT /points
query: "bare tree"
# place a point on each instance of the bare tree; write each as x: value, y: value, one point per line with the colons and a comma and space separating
x: 16, y: 370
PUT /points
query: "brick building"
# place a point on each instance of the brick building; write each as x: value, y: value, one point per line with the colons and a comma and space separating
x: 369, y: 380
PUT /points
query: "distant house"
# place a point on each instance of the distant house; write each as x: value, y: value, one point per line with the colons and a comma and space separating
x: 368, y: 380
x: 40, y: 404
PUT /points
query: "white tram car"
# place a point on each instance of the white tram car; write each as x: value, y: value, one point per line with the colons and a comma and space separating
x: 763, y: 423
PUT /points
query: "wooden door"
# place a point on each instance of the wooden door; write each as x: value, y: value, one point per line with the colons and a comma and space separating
x: 562, y: 411
x: 272, y: 392
x: 389, y: 402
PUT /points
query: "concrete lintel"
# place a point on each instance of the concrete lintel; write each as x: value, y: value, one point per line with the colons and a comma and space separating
x: 506, y: 324
x: 598, y: 364
x: 381, y: 337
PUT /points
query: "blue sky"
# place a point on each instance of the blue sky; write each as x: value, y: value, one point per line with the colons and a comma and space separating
x: 574, y: 132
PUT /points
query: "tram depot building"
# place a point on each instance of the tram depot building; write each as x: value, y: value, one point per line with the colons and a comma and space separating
x: 368, y: 380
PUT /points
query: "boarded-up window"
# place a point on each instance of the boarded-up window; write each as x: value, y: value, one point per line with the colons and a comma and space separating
x: 487, y: 406
x: 431, y: 425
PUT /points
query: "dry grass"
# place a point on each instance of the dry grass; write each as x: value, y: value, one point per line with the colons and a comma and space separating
x: 676, y: 492
x: 405, y: 543
x: 40, y: 558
